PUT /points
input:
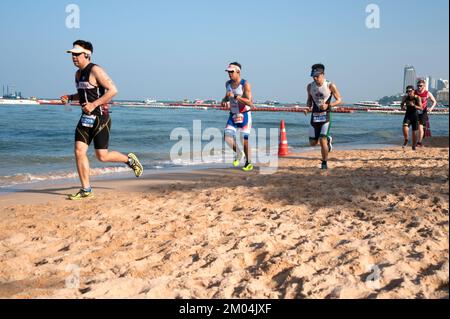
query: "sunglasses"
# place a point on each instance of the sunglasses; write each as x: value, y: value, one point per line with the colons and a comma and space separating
x: 76, y: 54
x: 230, y: 72
x: 421, y: 86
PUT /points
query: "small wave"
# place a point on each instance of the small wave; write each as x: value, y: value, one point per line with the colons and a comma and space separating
x: 26, y: 178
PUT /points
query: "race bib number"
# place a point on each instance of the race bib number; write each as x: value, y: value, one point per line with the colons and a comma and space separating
x: 320, y: 117
x: 238, y: 118
x: 88, y: 120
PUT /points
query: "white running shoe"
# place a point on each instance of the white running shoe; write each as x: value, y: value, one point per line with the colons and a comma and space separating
x: 330, y: 145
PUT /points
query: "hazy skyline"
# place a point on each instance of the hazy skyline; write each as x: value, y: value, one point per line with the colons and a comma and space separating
x: 179, y: 49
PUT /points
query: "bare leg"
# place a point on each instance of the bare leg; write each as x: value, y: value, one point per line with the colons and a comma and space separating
x: 106, y: 156
x: 414, y: 137
x: 247, y: 151
x: 406, y: 132
x: 231, y: 143
x: 82, y: 163
x: 324, y: 146
x: 421, y: 133
x: 313, y: 142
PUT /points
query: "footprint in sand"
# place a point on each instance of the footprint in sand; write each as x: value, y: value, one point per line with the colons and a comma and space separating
x: 64, y: 249
x: 41, y: 263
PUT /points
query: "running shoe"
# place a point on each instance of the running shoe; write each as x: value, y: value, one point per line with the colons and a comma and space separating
x: 419, y: 144
x: 82, y: 194
x: 405, y: 144
x: 238, y: 158
x: 248, y: 167
x: 135, y: 165
x: 324, y: 165
x: 330, y: 145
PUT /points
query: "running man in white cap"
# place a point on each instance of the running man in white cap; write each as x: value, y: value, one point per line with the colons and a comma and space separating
x: 95, y: 91
x: 240, y: 101
x: 320, y: 94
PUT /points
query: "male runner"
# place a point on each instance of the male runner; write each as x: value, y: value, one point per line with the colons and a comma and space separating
x: 412, y: 104
x: 423, y: 114
x: 320, y: 94
x: 95, y: 90
x: 240, y: 101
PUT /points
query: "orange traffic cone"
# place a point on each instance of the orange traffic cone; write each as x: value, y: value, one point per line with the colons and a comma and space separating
x: 283, y: 149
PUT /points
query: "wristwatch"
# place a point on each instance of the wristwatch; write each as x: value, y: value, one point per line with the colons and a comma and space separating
x: 236, y: 96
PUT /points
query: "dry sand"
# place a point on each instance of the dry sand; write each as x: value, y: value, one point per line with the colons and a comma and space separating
x: 375, y: 226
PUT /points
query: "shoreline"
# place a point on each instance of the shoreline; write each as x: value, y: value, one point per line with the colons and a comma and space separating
x: 120, y: 173
x: 222, y: 233
x: 122, y: 180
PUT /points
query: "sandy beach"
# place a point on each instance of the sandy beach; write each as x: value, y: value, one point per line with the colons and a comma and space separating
x: 374, y: 226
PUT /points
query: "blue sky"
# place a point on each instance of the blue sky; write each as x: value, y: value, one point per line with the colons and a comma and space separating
x: 176, y: 49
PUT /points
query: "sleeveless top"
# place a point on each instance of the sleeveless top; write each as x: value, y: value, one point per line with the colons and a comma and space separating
x: 320, y: 95
x: 88, y: 93
x: 411, y: 105
x: 237, y: 107
x: 424, y: 98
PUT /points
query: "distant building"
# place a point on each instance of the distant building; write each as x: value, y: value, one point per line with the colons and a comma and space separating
x: 427, y: 83
x: 431, y: 83
x: 442, y: 96
x: 442, y: 93
x: 410, y: 77
x: 441, y: 84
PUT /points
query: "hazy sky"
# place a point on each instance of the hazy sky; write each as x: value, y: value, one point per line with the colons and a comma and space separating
x: 179, y: 49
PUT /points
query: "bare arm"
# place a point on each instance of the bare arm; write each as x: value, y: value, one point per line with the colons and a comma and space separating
x: 73, y: 97
x: 225, y: 102
x: 227, y: 97
x: 433, y: 100
x: 309, y: 101
x: 105, y: 81
x: 247, y: 98
x: 336, y: 94
x: 403, y: 103
x: 69, y: 98
x: 419, y: 105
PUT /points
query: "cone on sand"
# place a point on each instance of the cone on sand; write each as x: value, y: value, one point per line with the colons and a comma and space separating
x: 283, y: 148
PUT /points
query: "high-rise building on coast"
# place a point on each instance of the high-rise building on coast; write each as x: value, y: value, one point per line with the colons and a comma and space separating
x: 441, y: 84
x: 410, y: 77
x: 431, y: 83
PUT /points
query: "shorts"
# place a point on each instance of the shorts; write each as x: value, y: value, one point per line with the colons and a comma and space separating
x: 245, y: 127
x: 99, y: 133
x: 411, y: 120
x: 319, y: 130
x: 423, y: 119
